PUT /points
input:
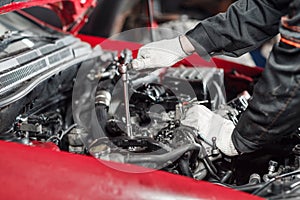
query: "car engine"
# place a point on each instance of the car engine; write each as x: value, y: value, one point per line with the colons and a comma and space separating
x: 57, y: 90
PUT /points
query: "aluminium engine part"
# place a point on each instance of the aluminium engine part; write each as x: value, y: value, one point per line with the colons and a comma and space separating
x: 75, y: 140
x: 153, y: 115
x: 103, y: 97
x: 254, y: 179
x: 234, y: 108
x: 207, y: 83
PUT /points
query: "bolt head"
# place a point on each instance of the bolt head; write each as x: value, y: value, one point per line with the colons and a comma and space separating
x: 273, y: 163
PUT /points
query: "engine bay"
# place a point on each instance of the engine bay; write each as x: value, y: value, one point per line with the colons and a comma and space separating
x: 63, y: 92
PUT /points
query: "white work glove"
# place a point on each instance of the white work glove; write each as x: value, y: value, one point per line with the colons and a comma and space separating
x: 211, y: 125
x: 164, y: 53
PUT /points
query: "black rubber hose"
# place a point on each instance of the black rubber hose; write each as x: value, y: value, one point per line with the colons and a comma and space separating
x: 101, y: 109
x: 101, y: 112
x: 207, y: 162
x: 164, y: 159
x: 83, y: 102
x: 226, y: 177
x: 184, y: 167
x: 248, y: 188
x: 10, y: 137
x: 210, y: 167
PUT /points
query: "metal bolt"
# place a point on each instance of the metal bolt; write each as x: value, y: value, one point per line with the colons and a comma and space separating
x: 215, y: 151
x: 272, y: 166
x: 254, y: 179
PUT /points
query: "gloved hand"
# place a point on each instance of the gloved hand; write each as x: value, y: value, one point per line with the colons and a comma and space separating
x: 211, y: 125
x: 164, y: 53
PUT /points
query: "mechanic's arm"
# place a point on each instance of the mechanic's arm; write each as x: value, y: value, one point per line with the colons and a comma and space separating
x: 274, y: 111
x: 246, y: 25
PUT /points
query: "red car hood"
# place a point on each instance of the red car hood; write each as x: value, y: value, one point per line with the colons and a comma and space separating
x: 72, y: 13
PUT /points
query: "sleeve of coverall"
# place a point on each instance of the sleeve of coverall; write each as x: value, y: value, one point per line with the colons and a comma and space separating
x: 246, y: 25
x: 274, y: 111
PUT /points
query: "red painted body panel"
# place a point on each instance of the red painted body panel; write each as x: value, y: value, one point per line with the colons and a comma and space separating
x: 39, y: 173
x: 72, y: 13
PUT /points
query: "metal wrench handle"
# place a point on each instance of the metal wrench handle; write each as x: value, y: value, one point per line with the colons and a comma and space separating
x: 126, y: 103
x: 123, y: 69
